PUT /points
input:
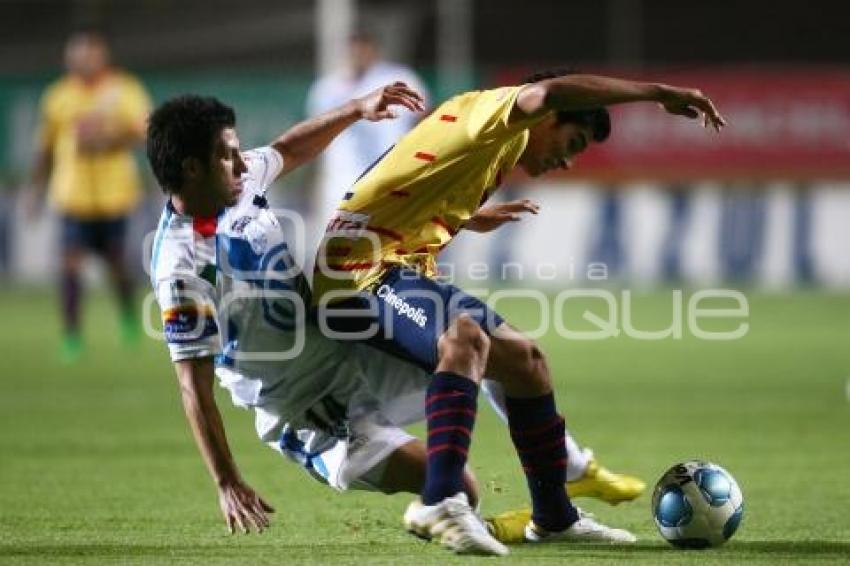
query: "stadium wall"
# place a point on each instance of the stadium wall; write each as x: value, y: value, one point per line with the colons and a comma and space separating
x: 766, y: 203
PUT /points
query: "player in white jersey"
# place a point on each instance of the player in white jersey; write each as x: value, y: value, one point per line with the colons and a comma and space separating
x: 222, y: 275
x: 228, y: 289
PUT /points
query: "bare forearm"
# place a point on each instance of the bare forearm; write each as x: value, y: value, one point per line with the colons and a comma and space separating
x: 196, y: 388
x: 581, y: 92
x: 303, y: 142
x: 584, y: 92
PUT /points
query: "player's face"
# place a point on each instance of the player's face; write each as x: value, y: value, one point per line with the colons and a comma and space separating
x: 223, y: 182
x: 363, y: 55
x: 218, y: 183
x: 553, y: 146
x: 86, y: 57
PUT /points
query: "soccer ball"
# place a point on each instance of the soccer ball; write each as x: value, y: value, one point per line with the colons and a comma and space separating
x: 697, y: 505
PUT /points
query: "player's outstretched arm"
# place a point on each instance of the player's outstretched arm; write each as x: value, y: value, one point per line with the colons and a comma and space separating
x: 304, y: 141
x: 582, y: 92
x: 240, y: 505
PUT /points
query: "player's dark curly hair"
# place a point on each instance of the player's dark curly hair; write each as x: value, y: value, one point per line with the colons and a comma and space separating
x: 183, y: 127
x: 597, y: 118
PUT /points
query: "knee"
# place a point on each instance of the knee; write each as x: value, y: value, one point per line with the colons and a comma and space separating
x: 463, y: 349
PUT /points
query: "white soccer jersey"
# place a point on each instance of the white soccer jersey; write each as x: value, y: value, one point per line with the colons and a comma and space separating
x: 228, y: 287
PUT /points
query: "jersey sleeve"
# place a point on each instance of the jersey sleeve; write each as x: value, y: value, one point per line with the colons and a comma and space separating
x: 188, y: 318
x: 264, y: 165
x: 489, y: 118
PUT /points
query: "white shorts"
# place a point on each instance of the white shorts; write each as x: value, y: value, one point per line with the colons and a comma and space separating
x: 372, y: 397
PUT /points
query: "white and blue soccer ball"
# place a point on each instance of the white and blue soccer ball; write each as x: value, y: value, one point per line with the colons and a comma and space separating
x: 697, y: 505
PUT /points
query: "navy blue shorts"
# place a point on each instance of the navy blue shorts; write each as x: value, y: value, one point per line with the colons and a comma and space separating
x: 103, y: 236
x: 406, y: 315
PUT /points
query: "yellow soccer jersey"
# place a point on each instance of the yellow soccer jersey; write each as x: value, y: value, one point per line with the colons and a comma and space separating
x: 412, y: 202
x: 96, y: 185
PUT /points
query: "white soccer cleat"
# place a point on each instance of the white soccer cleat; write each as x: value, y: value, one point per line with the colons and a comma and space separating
x: 586, y: 529
x: 453, y: 522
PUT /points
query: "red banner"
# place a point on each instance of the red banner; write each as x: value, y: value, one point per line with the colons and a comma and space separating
x: 782, y: 124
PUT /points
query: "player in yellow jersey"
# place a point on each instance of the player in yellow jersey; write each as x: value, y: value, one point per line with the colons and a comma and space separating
x: 91, y: 119
x: 375, y: 271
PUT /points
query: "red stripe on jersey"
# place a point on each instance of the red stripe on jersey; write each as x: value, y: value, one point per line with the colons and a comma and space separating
x: 448, y: 118
x: 386, y: 232
x: 425, y: 156
x: 348, y: 267
x: 443, y: 224
x: 205, y: 226
x: 400, y: 193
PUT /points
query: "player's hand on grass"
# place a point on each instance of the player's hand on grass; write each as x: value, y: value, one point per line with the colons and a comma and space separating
x: 490, y: 217
x: 376, y: 105
x: 243, y: 508
x: 691, y: 103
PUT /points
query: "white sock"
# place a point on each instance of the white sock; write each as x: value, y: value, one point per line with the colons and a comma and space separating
x: 577, y: 459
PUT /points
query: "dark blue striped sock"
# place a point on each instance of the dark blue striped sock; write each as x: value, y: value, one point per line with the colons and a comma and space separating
x: 537, y: 431
x: 451, y: 406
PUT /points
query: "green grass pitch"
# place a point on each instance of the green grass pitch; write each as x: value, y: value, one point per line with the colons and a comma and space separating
x: 97, y: 464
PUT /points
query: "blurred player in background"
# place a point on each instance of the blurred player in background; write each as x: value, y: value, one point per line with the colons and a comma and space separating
x: 91, y: 119
x: 379, y: 258
x: 361, y: 144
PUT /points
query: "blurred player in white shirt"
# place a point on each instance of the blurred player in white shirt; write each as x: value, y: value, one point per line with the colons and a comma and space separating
x: 359, y: 146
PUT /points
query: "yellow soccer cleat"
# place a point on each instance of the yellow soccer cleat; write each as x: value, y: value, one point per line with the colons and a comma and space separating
x: 602, y: 483
x: 597, y: 482
x: 513, y: 527
x: 509, y: 527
